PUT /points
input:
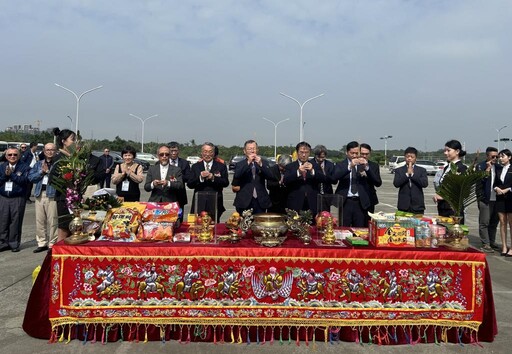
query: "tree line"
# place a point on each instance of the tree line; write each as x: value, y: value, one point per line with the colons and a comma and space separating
x: 192, y: 148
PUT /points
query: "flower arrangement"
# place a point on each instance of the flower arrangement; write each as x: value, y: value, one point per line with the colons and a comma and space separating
x: 72, y: 176
x: 101, y: 202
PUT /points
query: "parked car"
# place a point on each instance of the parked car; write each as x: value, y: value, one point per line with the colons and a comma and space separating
x: 118, y: 159
x: 193, y: 159
x: 149, y: 158
x: 441, y: 164
x: 430, y: 166
x: 395, y: 162
x: 234, y: 160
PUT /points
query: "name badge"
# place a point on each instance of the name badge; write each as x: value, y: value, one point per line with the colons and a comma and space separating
x: 45, y: 180
x: 125, y: 186
x: 8, y: 186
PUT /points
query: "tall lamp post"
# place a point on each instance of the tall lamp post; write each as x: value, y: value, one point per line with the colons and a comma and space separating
x: 301, y: 105
x: 71, y: 122
x: 498, y: 131
x: 385, y: 138
x: 78, y: 97
x: 143, y: 121
x: 275, y: 133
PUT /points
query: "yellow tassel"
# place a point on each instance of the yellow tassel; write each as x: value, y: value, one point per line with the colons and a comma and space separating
x: 232, y: 335
x: 444, y: 335
x: 146, y: 334
x: 240, y: 335
x: 35, y: 273
x: 61, y: 338
x: 326, y: 334
x: 69, y: 335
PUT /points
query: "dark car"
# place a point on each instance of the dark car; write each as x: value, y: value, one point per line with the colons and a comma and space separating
x: 238, y: 158
x: 118, y: 159
x: 234, y: 160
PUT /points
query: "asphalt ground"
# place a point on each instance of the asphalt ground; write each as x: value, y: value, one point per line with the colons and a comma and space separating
x: 16, y: 281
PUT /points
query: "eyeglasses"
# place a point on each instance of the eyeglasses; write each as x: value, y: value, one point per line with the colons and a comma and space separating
x: 12, y: 155
x: 163, y: 154
x: 494, y: 156
x: 49, y: 150
x: 23, y: 147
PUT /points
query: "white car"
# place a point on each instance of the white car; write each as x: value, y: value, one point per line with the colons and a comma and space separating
x: 149, y: 158
x: 193, y: 159
x: 429, y: 166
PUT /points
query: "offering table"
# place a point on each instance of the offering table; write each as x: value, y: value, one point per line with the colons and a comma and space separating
x: 104, y: 291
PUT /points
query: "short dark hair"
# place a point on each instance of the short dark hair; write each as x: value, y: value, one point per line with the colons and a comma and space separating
x: 455, y: 145
x: 351, y: 145
x: 129, y: 150
x: 173, y: 145
x: 302, y: 144
x: 411, y: 150
x: 250, y: 141
x: 490, y: 149
x: 32, y: 144
x: 366, y: 146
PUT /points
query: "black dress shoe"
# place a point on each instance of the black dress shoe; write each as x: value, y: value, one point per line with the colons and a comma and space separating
x: 17, y: 249
x: 40, y: 249
x: 4, y: 248
x: 504, y: 254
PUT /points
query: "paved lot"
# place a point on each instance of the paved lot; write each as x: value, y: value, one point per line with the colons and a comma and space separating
x: 16, y: 281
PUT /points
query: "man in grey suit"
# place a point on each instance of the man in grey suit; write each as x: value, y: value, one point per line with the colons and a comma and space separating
x: 163, y: 180
x: 411, y: 180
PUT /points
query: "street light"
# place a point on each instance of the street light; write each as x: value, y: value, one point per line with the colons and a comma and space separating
x: 71, y: 124
x: 275, y: 133
x: 301, y: 105
x: 498, y: 131
x: 505, y: 140
x: 385, y: 138
x: 143, y: 121
x: 78, y: 97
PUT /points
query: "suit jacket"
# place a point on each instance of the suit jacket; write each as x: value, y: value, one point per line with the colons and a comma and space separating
x: 247, y: 183
x: 486, y: 184
x: 300, y: 189
x: 342, y: 174
x: 328, y: 172
x: 277, y: 191
x: 373, y: 180
x: 167, y: 193
x: 18, y: 177
x: 219, y: 182
x: 182, y: 192
x: 410, y: 194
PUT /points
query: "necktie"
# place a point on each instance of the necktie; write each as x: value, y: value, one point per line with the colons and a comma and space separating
x: 303, y: 174
x: 253, y: 170
x: 321, y: 184
x: 353, y: 181
x: 208, y: 167
x: 174, y: 163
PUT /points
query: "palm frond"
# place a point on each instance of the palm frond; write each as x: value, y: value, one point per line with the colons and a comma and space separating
x: 461, y: 189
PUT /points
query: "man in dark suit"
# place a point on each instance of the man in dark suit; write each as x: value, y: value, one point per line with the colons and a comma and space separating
x: 373, y: 178
x: 162, y: 179
x: 277, y: 190
x: 183, y: 164
x: 411, y: 180
x: 487, y: 215
x: 13, y: 190
x: 251, y: 174
x: 107, y: 164
x: 355, y: 178
x: 302, y: 179
x: 208, y: 175
x: 29, y: 157
x: 327, y: 169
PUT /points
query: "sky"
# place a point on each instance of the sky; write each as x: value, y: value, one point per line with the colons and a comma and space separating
x: 423, y: 72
